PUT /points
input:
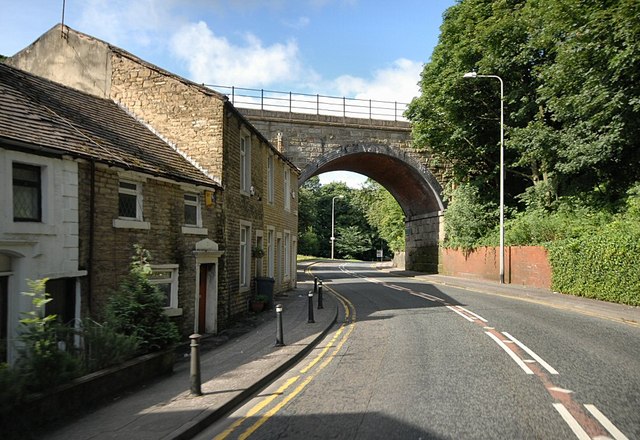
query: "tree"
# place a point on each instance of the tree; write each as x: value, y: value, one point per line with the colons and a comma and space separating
x: 572, y: 98
x: 383, y: 213
x: 352, y: 242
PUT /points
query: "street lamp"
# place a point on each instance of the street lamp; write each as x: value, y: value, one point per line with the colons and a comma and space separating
x: 333, y: 221
x: 475, y: 75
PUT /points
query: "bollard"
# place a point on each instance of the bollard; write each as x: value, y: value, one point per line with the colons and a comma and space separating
x: 279, y: 337
x: 310, y: 321
x: 320, y: 306
x: 196, y: 389
x: 315, y: 284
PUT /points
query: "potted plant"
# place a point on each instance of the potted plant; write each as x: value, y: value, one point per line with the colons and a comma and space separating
x: 257, y: 252
x: 258, y: 303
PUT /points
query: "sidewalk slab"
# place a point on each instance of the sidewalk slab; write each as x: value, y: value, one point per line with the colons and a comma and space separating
x: 230, y: 374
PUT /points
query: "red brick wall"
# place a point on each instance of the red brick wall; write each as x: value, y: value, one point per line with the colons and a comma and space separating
x: 524, y: 265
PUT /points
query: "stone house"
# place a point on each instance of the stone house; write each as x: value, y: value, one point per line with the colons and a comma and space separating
x: 259, y: 207
x: 81, y: 182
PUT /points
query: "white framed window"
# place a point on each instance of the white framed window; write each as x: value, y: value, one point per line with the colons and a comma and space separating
x: 245, y: 163
x: 287, y: 255
x: 27, y: 193
x: 192, y: 212
x: 245, y: 254
x: 165, y: 276
x: 287, y: 189
x: 271, y: 181
x: 130, y: 200
x: 271, y: 252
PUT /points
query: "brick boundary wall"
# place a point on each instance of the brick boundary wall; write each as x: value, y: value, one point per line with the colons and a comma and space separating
x: 523, y: 265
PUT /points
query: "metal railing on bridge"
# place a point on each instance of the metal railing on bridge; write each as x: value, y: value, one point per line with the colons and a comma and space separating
x: 292, y: 102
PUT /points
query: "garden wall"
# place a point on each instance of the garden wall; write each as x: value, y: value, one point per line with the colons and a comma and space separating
x: 523, y: 265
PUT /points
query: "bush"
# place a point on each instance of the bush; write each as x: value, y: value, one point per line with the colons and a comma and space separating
x: 467, y: 219
x: 43, y: 363
x: 600, y: 263
x: 104, y: 347
x: 137, y: 308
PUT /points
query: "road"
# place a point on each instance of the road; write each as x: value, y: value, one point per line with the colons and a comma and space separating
x: 414, y: 360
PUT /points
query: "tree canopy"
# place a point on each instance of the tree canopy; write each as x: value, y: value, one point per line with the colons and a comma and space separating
x: 572, y: 99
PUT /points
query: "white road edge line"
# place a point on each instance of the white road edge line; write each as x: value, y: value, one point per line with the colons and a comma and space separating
x: 604, y: 421
x: 474, y: 314
x: 541, y: 361
x: 459, y: 313
x: 513, y: 356
x: 573, y: 424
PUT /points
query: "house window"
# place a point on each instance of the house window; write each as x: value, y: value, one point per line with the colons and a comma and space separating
x: 287, y: 189
x: 192, y: 210
x: 63, y: 299
x: 27, y: 193
x: 287, y: 254
x: 4, y: 316
x: 245, y: 253
x: 271, y: 247
x: 270, y: 179
x: 165, y: 277
x: 245, y: 164
x: 130, y: 200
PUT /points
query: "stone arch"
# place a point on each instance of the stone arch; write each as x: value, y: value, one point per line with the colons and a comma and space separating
x: 416, y: 189
x: 411, y: 183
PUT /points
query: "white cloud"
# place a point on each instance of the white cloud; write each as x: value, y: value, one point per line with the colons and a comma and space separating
x: 215, y: 60
x: 398, y: 82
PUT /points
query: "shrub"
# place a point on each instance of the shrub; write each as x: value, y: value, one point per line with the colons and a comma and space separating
x: 104, y: 347
x: 467, y: 219
x: 600, y: 263
x: 42, y: 362
x: 137, y: 308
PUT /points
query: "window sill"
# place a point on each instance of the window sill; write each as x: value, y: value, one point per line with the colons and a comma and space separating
x: 170, y: 311
x: 130, y: 224
x: 194, y: 230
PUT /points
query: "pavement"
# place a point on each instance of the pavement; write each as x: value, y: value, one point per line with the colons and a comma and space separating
x: 232, y: 371
x: 236, y: 366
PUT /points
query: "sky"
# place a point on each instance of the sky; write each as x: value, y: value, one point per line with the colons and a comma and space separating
x: 364, y: 49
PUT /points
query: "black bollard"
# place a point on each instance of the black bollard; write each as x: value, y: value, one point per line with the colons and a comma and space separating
x: 315, y: 284
x: 279, y: 337
x: 196, y: 389
x: 310, y: 321
x: 320, y: 306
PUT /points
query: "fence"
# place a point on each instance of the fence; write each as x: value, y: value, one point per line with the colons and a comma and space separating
x: 291, y: 102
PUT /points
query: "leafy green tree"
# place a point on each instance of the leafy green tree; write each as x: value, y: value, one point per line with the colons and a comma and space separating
x: 467, y: 218
x: 383, y: 213
x: 352, y: 242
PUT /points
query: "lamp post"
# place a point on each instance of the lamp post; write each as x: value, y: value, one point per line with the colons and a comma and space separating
x: 475, y: 75
x: 333, y: 220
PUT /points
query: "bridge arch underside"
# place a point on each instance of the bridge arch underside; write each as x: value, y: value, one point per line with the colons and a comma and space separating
x: 415, y: 188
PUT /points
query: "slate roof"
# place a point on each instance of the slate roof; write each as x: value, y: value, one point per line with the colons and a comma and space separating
x: 41, y: 114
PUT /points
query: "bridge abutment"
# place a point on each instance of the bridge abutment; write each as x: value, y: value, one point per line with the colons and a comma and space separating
x: 423, y: 235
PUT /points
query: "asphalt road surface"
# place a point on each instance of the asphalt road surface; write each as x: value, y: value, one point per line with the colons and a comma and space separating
x: 413, y: 360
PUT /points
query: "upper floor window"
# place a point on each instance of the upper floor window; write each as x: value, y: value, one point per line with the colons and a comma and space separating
x: 192, y: 216
x: 270, y: 179
x: 287, y: 189
x: 245, y: 163
x: 27, y: 193
x: 130, y: 200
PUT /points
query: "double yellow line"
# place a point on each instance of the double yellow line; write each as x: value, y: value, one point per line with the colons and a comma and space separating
x: 345, y: 331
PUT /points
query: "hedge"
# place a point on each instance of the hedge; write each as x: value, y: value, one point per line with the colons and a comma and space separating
x: 600, y: 263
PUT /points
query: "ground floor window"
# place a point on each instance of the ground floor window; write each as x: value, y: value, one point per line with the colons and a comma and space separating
x: 4, y: 317
x: 63, y: 299
x: 165, y: 276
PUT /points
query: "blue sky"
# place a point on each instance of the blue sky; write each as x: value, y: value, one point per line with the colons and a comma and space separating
x: 368, y: 49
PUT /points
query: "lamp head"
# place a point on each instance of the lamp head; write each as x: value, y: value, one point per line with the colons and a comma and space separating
x: 470, y: 75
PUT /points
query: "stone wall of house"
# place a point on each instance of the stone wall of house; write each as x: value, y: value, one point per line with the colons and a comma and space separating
x: 187, y: 115
x: 163, y: 207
